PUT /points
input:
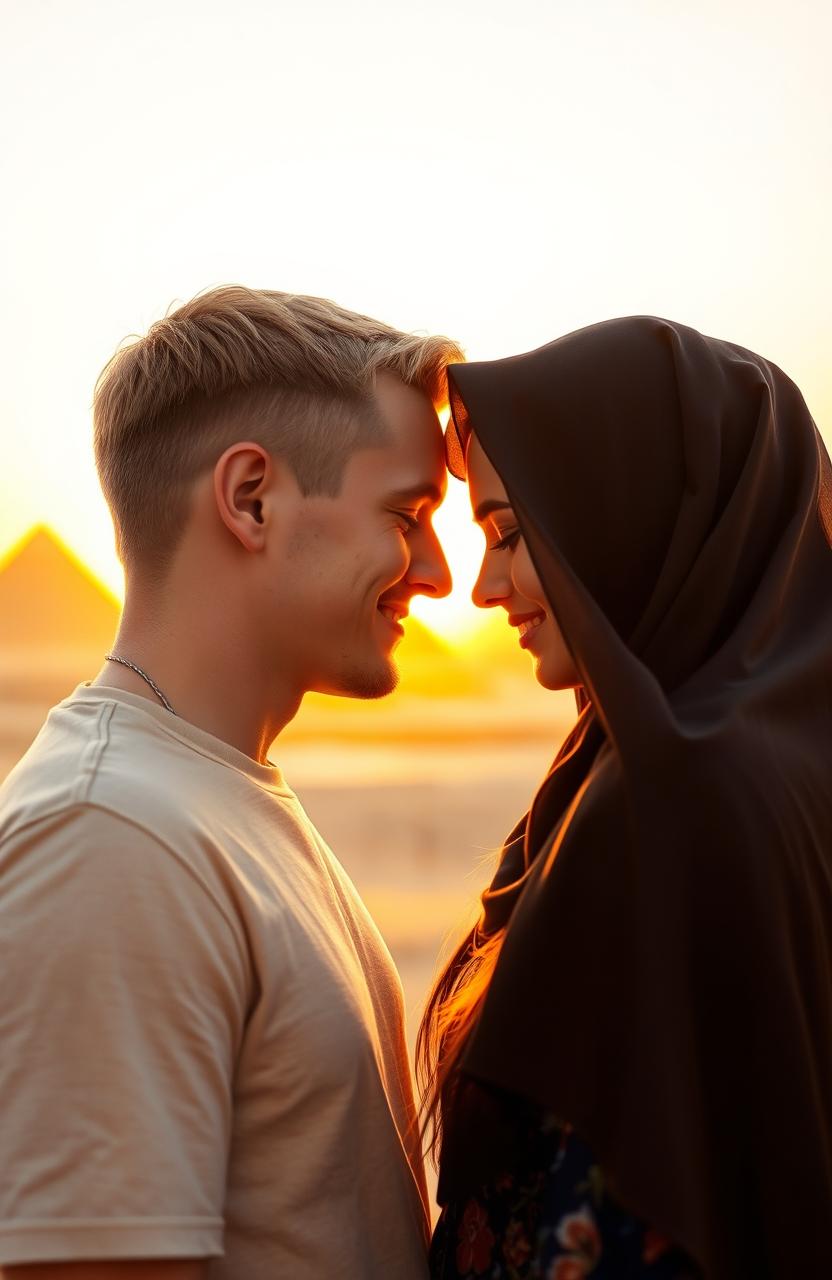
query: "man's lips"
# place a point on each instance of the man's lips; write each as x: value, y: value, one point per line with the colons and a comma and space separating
x: 394, y: 612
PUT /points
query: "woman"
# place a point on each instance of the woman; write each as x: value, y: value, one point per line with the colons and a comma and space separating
x: 628, y: 1062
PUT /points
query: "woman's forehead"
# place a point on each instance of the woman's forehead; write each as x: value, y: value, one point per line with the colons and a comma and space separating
x: 484, y: 482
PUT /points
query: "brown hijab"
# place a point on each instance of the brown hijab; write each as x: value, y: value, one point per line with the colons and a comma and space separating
x: 665, y: 983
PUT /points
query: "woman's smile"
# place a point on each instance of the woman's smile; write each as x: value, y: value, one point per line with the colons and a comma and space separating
x: 527, y: 625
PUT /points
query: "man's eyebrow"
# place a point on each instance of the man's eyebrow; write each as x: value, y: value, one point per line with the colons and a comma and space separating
x: 416, y: 491
x: 484, y: 510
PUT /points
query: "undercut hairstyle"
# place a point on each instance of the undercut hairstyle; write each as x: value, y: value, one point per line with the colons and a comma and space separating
x: 294, y: 374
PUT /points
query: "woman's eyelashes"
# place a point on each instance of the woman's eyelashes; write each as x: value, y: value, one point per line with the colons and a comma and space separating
x: 507, y: 541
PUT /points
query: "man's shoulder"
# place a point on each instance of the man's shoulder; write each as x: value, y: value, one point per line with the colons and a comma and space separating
x: 93, y: 808
x: 105, y: 780
x: 94, y: 755
x: 45, y: 781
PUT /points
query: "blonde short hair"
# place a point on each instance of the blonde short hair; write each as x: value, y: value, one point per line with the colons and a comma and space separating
x: 292, y: 373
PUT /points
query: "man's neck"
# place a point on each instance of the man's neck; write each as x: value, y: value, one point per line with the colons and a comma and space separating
x: 214, y: 684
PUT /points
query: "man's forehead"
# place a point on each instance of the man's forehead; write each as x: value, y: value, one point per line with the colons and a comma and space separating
x: 414, y: 474
x: 410, y: 464
x: 407, y: 410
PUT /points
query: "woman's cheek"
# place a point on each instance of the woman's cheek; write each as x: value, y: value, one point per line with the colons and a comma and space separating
x: 525, y: 576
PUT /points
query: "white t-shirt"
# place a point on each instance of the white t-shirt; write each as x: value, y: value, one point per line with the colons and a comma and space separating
x: 202, y: 1044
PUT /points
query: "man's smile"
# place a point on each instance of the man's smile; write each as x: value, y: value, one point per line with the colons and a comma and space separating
x: 394, y: 612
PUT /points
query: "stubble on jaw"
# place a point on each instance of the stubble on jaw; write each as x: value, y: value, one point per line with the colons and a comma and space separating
x: 366, y: 684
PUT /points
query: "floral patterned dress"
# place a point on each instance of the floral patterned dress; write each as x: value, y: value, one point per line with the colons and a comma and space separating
x: 551, y: 1220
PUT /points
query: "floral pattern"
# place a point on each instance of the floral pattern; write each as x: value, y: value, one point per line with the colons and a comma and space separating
x: 476, y: 1241
x: 551, y: 1220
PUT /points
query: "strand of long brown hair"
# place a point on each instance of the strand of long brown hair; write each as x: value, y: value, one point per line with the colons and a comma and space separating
x: 456, y: 1000
x: 448, y: 1020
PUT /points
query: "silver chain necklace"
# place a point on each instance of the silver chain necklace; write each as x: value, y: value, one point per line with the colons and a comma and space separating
x: 125, y: 662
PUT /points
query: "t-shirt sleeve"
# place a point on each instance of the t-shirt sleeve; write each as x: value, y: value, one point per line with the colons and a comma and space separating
x: 123, y: 995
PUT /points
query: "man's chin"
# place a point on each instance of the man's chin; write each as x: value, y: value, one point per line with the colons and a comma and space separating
x: 367, y: 683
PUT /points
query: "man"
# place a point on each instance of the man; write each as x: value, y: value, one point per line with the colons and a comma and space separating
x: 203, y: 1067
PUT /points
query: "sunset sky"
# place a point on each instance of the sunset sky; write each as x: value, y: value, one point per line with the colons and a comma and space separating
x: 502, y: 173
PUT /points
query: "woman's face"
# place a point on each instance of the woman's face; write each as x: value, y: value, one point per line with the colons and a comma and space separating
x: 508, y: 577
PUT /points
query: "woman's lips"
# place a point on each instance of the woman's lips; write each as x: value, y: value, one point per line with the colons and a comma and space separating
x: 527, y: 624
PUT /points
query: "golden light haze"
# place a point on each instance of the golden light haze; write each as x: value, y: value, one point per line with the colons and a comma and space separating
x: 500, y: 173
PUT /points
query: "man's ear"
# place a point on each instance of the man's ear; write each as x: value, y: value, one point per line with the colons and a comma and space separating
x: 244, y: 491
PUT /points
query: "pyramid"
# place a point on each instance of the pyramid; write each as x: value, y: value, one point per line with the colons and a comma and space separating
x: 49, y: 601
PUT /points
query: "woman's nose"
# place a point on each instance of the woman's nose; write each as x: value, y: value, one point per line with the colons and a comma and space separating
x: 491, y: 587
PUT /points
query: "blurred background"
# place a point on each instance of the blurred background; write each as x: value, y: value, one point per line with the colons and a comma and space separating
x: 501, y: 173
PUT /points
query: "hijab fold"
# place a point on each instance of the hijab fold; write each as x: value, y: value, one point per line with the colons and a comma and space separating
x: 665, y: 982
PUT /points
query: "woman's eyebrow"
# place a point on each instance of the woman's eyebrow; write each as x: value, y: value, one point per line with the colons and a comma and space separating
x: 485, y: 509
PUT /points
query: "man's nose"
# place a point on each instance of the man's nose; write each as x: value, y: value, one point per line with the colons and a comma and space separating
x: 429, y: 573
